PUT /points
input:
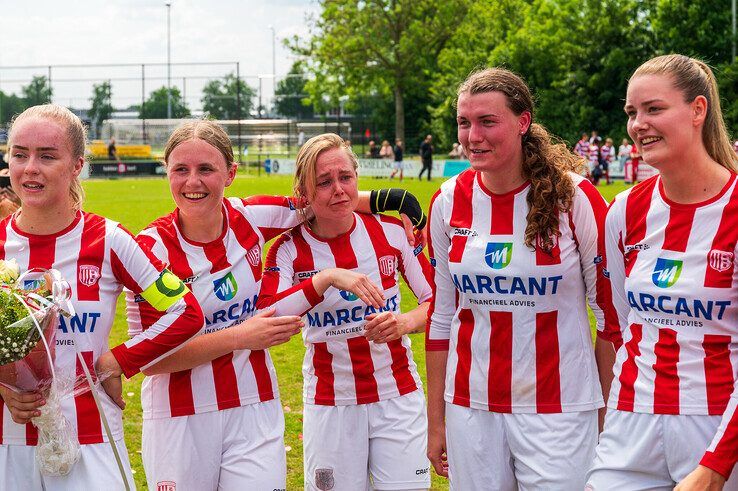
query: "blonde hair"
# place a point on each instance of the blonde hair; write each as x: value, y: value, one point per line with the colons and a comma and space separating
x: 546, y: 160
x: 201, y: 129
x: 76, y: 134
x: 694, y: 78
x: 307, y: 159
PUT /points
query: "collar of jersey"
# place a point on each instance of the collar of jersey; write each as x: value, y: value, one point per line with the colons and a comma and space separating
x: 65, y: 230
x: 332, y: 239
x: 674, y: 204
x: 502, y: 196
x: 202, y: 244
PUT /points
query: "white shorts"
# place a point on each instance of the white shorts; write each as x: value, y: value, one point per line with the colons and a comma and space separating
x: 96, y: 469
x: 397, y: 165
x: 505, y: 451
x: 237, y: 448
x: 651, y: 451
x: 386, y: 440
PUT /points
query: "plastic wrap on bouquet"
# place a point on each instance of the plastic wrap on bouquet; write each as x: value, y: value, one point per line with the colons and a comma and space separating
x: 30, y: 306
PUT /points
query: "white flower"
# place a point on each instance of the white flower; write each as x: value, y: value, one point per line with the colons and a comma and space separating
x: 9, y: 271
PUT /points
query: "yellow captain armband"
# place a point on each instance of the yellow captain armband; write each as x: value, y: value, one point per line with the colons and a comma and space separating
x: 165, y: 291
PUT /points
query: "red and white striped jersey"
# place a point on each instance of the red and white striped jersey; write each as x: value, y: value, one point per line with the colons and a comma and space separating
x: 582, y: 148
x: 514, y: 319
x: 341, y: 367
x: 675, y: 288
x: 98, y: 257
x: 224, y: 275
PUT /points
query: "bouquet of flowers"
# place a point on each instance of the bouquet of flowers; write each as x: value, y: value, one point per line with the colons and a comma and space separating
x: 30, y: 305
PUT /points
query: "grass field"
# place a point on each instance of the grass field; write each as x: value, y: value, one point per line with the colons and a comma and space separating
x: 136, y: 202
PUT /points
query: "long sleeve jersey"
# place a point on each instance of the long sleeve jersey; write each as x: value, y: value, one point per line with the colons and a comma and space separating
x: 674, y: 283
x: 340, y: 366
x: 98, y: 258
x: 514, y: 318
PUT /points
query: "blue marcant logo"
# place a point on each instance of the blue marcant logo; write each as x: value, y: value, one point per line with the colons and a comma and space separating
x: 498, y: 254
x: 666, y: 272
x: 348, y: 295
x: 226, y: 287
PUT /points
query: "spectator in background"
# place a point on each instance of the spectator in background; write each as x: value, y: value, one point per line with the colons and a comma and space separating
x: 9, y: 202
x: 457, y: 152
x: 112, y: 151
x: 398, y: 166
x: 735, y: 146
x: 635, y: 159
x: 386, y: 151
x: 582, y: 147
x: 624, y: 153
x: 595, y: 138
x: 300, y: 138
x: 426, y: 156
x: 607, y: 154
x: 595, y: 170
x: 373, y: 152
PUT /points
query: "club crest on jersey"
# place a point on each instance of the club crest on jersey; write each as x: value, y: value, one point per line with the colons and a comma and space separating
x: 254, y: 256
x: 226, y: 287
x: 720, y: 260
x: 166, y: 486
x: 541, y: 246
x: 387, y: 265
x: 666, y: 272
x: 498, y: 254
x: 88, y: 274
x: 324, y: 479
x: 348, y: 295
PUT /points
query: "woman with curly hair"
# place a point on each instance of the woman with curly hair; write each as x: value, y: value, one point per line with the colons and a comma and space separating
x: 513, y: 384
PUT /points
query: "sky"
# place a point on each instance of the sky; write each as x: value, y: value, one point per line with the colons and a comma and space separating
x: 80, y: 32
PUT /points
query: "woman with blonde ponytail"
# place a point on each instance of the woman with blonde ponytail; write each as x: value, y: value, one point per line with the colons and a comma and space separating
x: 513, y: 381
x: 671, y: 248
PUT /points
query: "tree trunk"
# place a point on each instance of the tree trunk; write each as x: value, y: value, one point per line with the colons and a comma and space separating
x: 399, y: 114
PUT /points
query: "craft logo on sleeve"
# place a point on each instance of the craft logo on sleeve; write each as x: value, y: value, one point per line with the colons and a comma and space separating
x: 88, y: 274
x: 324, y: 479
x: 498, y: 254
x: 254, y: 256
x: 720, y: 260
x: 666, y: 272
x: 387, y: 265
x: 226, y: 287
x: 166, y: 486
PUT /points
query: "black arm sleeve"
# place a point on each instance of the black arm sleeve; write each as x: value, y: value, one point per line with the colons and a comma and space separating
x: 399, y: 200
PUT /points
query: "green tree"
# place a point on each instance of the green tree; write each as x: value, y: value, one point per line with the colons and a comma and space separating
x: 220, y: 98
x: 290, y: 98
x: 156, y: 105
x: 377, y: 47
x: 37, y: 92
x: 102, y: 105
x: 10, y: 105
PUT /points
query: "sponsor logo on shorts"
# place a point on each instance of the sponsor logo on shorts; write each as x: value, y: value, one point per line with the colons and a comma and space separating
x: 324, y: 479
x: 88, y: 274
x: 720, y: 260
x: 166, y: 486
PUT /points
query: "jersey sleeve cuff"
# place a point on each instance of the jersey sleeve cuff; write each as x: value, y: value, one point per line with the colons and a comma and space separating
x: 119, y: 352
x: 722, y: 466
x: 436, y: 344
x: 311, y: 294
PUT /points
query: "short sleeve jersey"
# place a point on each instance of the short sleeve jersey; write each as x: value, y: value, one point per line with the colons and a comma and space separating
x: 514, y: 318
x: 224, y: 275
x: 340, y: 366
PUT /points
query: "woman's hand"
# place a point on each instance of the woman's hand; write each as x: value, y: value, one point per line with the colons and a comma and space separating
x: 110, y: 375
x: 22, y: 405
x: 263, y: 330
x: 437, y: 449
x: 701, y: 479
x: 385, y: 327
x: 350, y: 281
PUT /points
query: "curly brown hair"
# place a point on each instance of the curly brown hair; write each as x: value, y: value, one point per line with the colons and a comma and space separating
x: 547, y: 160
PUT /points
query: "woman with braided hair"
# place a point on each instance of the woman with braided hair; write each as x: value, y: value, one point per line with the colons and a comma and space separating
x: 514, y: 384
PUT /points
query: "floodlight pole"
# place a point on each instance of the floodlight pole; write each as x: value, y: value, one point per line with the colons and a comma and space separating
x: 274, y: 61
x: 169, y: 60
